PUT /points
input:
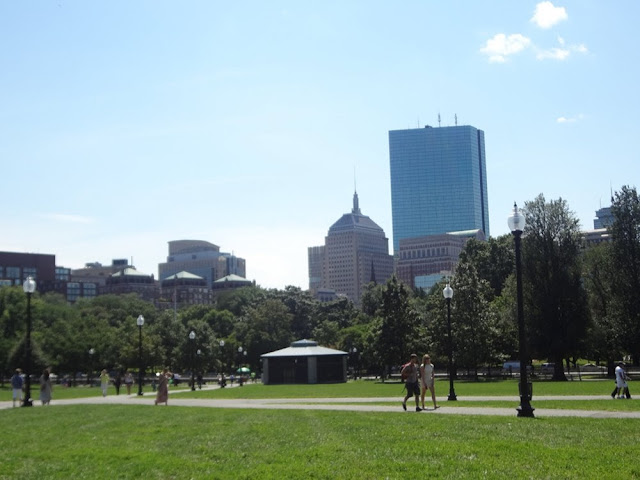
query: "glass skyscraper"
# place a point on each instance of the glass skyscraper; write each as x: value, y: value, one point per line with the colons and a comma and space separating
x: 438, y: 181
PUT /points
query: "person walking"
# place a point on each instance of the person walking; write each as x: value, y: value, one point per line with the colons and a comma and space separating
x: 117, y: 382
x: 409, y: 374
x: 17, y: 384
x: 427, y: 380
x: 128, y: 381
x: 45, y: 387
x: 104, y: 381
x: 622, y: 388
x: 162, y: 396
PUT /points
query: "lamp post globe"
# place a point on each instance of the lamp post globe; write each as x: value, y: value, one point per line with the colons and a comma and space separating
x: 192, y: 337
x: 516, y: 222
x: 447, y: 293
x: 29, y: 286
x: 140, y: 323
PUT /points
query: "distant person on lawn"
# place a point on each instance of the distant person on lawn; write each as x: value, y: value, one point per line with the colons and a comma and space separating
x: 17, y: 384
x: 162, y: 396
x: 409, y: 374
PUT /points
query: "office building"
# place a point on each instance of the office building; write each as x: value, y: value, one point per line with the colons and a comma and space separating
x: 16, y: 267
x: 355, y: 253
x: 438, y: 181
x: 604, y: 218
x: 200, y: 258
x: 424, y: 261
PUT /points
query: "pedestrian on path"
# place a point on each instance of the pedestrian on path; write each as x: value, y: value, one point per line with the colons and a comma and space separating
x: 104, y: 381
x: 622, y: 388
x: 45, y: 387
x: 427, y: 380
x: 409, y: 374
x: 162, y: 395
x: 17, y: 384
x: 128, y: 381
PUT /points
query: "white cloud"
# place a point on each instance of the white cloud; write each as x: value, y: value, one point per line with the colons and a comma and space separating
x: 553, y: 53
x: 562, y: 52
x: 546, y: 15
x: 66, y: 218
x: 501, y: 46
x: 573, y: 119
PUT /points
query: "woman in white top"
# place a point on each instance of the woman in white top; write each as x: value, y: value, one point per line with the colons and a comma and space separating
x: 427, y: 379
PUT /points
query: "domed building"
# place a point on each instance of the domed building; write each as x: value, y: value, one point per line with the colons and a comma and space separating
x: 356, y: 252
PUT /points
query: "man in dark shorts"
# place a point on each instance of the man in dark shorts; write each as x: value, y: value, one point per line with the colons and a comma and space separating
x: 409, y: 374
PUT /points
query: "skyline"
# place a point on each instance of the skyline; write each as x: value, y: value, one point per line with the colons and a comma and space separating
x: 126, y: 125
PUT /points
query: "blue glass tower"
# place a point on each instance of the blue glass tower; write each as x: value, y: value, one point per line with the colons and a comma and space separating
x: 438, y: 181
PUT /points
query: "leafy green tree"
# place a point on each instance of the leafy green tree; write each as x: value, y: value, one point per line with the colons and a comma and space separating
x: 555, y: 300
x: 396, y: 330
x: 605, y: 336
x: 474, y: 321
x: 493, y: 260
x: 625, y: 232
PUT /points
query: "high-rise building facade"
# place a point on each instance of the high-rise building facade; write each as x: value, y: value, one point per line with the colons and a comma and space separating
x: 355, y: 253
x: 438, y: 181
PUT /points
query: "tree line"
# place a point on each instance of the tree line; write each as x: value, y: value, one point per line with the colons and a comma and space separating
x: 579, y: 303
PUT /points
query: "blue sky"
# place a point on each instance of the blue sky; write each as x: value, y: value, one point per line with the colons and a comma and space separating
x: 127, y: 124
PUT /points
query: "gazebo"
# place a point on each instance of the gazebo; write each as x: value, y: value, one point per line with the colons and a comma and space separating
x: 304, y: 362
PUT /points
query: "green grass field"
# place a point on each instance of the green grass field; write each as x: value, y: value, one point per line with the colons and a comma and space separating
x: 115, y: 441
x: 141, y: 441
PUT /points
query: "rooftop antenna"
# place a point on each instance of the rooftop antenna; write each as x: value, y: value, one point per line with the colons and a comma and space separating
x: 355, y: 186
x: 456, y: 119
x: 438, y: 118
x: 418, y: 121
x: 611, y: 188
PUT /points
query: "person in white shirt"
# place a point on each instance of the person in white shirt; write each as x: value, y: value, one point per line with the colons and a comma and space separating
x: 427, y: 378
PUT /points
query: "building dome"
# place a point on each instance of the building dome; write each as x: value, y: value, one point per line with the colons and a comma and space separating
x: 355, y: 221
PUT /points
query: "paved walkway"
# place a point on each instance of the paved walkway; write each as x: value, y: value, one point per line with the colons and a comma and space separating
x: 464, y: 404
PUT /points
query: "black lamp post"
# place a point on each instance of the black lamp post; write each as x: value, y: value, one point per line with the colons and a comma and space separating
x: 140, y: 322
x: 516, y: 223
x: 91, y: 352
x: 221, y: 343
x: 192, y: 337
x: 29, y: 286
x: 448, y: 294
x: 240, y: 349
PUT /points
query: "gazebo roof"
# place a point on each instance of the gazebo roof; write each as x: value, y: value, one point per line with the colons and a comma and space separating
x: 303, y: 348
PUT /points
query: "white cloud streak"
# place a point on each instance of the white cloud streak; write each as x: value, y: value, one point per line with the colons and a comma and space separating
x: 502, y: 46
x: 573, y: 119
x: 547, y: 15
x: 66, y: 218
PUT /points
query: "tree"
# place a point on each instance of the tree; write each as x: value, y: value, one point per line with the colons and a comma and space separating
x: 474, y: 322
x: 493, y: 260
x: 555, y: 300
x: 396, y: 329
x: 625, y: 232
x: 605, y: 336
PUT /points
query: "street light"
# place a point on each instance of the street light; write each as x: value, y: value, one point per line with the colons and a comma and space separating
x: 199, y: 364
x: 29, y: 286
x: 91, y: 352
x: 448, y: 295
x: 354, y: 361
x: 192, y: 337
x: 221, y: 343
x: 140, y: 322
x: 516, y: 222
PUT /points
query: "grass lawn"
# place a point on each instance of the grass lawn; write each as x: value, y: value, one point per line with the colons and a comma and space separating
x: 362, y: 388
x: 116, y: 441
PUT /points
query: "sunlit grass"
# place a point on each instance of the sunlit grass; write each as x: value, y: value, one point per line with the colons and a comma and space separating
x: 115, y: 441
